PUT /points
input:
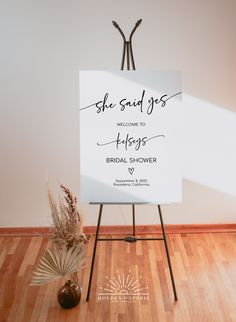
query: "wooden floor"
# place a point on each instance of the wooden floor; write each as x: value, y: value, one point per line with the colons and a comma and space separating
x: 204, y: 268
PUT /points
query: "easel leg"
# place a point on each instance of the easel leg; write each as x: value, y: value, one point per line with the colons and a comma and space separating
x: 94, y: 252
x: 133, y: 214
x: 167, y: 254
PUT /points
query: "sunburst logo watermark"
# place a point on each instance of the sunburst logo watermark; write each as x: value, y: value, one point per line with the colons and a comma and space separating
x: 123, y: 288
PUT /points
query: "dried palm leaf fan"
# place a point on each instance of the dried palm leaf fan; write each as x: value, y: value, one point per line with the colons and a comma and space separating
x: 57, y: 263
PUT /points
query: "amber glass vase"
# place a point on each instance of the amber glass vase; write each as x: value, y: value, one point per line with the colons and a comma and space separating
x: 69, y: 295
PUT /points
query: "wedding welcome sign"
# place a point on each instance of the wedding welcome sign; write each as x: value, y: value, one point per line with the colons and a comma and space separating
x: 130, y: 136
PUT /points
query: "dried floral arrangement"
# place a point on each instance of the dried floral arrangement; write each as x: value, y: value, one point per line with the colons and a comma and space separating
x: 68, y: 251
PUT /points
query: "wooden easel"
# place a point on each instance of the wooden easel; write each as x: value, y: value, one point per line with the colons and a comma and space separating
x: 128, y: 51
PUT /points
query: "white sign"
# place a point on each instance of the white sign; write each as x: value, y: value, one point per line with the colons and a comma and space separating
x: 129, y: 136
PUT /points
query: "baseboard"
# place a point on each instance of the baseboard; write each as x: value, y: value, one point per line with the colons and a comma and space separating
x: 24, y: 231
x: 170, y: 229
x: 117, y: 230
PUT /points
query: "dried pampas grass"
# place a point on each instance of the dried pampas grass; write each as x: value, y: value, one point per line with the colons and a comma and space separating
x: 67, y: 220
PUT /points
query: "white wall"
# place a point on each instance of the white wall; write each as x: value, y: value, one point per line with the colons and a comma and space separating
x: 45, y: 43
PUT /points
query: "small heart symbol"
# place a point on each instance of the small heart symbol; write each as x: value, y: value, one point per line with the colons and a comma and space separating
x: 131, y: 170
